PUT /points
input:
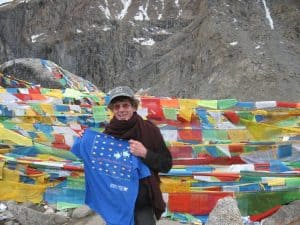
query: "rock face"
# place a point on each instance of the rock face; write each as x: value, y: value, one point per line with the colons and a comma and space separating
x: 210, y: 49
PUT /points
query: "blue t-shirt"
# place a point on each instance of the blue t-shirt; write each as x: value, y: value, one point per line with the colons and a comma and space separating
x: 112, y: 176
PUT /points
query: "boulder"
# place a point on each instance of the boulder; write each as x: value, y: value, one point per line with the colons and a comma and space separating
x: 30, y: 216
x: 286, y: 215
x: 225, y: 212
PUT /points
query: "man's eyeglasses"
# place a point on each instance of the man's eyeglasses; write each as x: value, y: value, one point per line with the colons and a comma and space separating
x: 124, y: 105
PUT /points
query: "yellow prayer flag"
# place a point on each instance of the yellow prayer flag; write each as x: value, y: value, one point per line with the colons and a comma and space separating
x: 21, y: 192
x: 10, y: 175
x: 170, y: 185
x: 26, y: 126
x: 237, y: 136
x: 41, y: 137
x: 30, y: 112
x: 276, y: 182
x: 57, y: 93
x: 188, y: 103
x: 16, y: 138
x: 2, y: 90
x: 262, y: 131
x: 187, y: 108
x: 186, y: 114
x: 48, y: 109
x: 2, y: 163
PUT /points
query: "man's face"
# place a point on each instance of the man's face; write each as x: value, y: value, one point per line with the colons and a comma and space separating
x: 123, y: 110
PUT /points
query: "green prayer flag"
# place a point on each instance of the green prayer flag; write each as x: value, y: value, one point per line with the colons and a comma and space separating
x: 44, y: 149
x: 37, y: 108
x: 226, y: 103
x: 66, y: 205
x: 247, y: 115
x: 251, y: 203
x: 94, y: 98
x: 197, y: 149
x: 63, y: 82
x: 170, y: 113
x: 72, y: 93
x: 99, y: 113
x: 214, y: 135
x: 99, y: 110
x: 213, y: 104
x: 44, y: 90
x: 9, y: 125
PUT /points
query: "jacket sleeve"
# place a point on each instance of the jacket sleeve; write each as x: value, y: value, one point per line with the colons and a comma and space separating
x: 159, y: 159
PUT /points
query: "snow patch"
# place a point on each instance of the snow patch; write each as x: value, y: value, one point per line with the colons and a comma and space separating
x: 35, y: 37
x: 148, y: 42
x: 78, y: 31
x: 156, y: 30
x: 105, y: 10
x: 163, y: 32
x: 106, y: 28
x: 139, y: 16
x: 234, y: 43
x: 143, y: 41
x: 268, y: 15
x: 132, y: 23
x: 5, y: 1
x: 178, y: 6
x: 162, y: 9
x: 142, y: 13
x: 126, y: 4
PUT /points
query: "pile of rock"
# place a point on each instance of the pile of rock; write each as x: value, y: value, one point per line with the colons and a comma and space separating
x: 225, y: 212
x: 12, y: 213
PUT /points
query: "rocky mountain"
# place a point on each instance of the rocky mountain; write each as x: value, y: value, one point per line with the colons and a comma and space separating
x: 209, y: 49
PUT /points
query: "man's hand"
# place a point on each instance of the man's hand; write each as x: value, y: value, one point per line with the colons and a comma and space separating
x: 137, y: 148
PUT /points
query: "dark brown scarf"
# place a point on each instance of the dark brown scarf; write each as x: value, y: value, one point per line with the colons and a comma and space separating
x: 135, y: 128
x: 125, y: 129
x: 141, y: 130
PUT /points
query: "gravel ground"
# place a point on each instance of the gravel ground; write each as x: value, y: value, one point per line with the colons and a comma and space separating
x: 95, y: 220
x: 168, y: 222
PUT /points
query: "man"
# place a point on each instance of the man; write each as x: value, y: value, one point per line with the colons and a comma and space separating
x: 147, y: 143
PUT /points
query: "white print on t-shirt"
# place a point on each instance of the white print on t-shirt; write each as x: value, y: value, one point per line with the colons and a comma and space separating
x: 118, y: 187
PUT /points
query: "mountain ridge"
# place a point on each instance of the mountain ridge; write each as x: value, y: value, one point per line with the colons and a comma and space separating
x: 207, y: 49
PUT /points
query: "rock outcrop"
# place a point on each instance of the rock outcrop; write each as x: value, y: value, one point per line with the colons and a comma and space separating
x: 45, y: 73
